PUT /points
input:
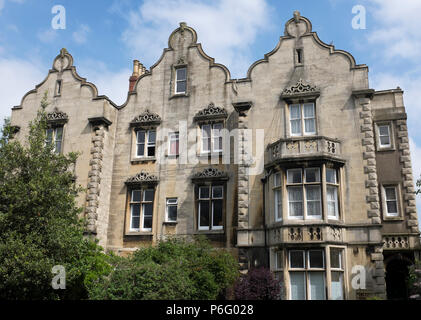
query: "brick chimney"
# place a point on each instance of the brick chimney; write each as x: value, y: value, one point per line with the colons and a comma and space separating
x: 138, y: 70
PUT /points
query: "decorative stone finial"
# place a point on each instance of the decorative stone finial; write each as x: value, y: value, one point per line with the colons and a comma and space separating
x: 297, y: 16
x: 63, y: 51
x: 183, y: 25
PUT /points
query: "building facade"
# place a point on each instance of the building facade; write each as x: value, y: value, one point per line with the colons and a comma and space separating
x: 300, y: 166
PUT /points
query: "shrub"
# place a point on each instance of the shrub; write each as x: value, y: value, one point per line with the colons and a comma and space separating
x: 258, y: 284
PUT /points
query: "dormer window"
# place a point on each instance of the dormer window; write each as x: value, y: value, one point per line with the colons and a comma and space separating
x: 180, y: 80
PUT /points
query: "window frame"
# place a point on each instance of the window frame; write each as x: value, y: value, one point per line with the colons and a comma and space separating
x: 211, y: 199
x: 142, y: 202
x: 177, y: 142
x: 386, y: 214
x: 278, y: 193
x: 304, y: 185
x: 146, y: 144
x: 307, y: 270
x: 335, y: 185
x: 54, y: 137
x: 167, y: 217
x: 302, y: 118
x: 176, y: 80
x: 211, y: 137
x: 389, y: 125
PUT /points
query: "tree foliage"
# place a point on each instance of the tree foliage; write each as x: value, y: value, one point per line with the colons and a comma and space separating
x: 258, y: 284
x: 173, y: 269
x: 414, y: 280
x: 39, y: 220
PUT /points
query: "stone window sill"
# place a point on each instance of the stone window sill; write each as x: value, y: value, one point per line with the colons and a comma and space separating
x: 210, y: 231
x: 179, y: 95
x: 143, y: 159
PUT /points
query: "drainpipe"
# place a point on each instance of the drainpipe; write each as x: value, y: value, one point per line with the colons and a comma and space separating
x: 264, y: 180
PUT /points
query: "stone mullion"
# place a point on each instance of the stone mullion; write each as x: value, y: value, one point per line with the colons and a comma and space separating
x: 94, y: 180
x: 408, y: 192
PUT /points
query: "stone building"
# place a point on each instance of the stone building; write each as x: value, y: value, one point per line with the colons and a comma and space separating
x: 300, y: 166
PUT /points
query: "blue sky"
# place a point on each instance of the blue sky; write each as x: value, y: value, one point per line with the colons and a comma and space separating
x: 105, y: 36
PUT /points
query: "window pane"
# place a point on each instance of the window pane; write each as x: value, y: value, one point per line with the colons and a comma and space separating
x: 336, y: 258
x: 174, y: 147
x: 206, y: 137
x: 147, y: 222
x: 151, y: 151
x: 332, y: 201
x: 278, y: 204
x: 295, y: 198
x: 294, y: 176
x: 384, y: 141
x: 390, y: 193
x: 59, y: 133
x: 298, y: 286
x: 172, y: 213
x: 204, y: 213
x: 312, y: 175
x: 135, y: 195
x: 313, y: 201
x: 217, y: 192
x: 49, y: 135
x: 384, y: 130
x: 310, y: 125
x: 135, y: 223
x: 392, y: 207
x: 317, y: 286
x: 147, y: 209
x: 58, y: 147
x: 277, y: 179
x: 279, y: 259
x: 181, y: 86
x: 204, y: 193
x: 316, y: 258
x: 141, y: 137
x: 217, y: 213
x: 309, y: 110
x: 148, y: 195
x: 331, y: 175
x: 296, y: 259
x: 295, y: 126
x: 337, y: 291
x: 135, y: 210
x: 181, y: 74
x: 151, y: 137
x: 295, y: 111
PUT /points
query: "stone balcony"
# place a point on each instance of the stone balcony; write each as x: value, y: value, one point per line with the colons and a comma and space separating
x: 303, y: 148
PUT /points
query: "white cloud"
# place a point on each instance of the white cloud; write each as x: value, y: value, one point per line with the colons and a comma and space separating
x: 81, y: 34
x: 398, y: 28
x: 226, y: 28
x: 113, y: 84
x: 17, y: 77
x: 48, y: 35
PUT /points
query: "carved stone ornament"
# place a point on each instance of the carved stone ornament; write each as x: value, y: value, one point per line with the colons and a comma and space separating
x: 142, y: 177
x: 210, y: 173
x: 146, y: 118
x: 211, y: 112
x: 57, y: 116
x: 300, y: 88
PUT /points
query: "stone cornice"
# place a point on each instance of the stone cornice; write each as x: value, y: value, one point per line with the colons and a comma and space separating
x: 146, y: 118
x: 142, y: 178
x: 210, y: 174
x: 57, y: 117
x: 211, y: 112
x: 300, y: 89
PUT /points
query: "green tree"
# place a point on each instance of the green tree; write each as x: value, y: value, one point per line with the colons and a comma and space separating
x: 173, y: 269
x: 414, y: 280
x: 39, y: 220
